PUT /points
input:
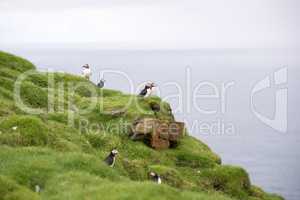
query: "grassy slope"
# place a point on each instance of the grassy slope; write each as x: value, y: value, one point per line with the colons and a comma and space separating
x: 45, y: 151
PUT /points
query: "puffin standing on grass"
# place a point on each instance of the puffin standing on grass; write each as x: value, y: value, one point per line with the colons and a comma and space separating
x: 111, y: 158
x: 156, y: 178
x: 101, y: 83
x: 147, y: 91
x: 86, y: 71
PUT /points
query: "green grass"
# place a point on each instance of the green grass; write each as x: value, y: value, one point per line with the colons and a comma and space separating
x: 228, y: 179
x: 170, y: 175
x: 30, y: 131
x: 12, y: 62
x: 76, y: 185
x: 66, y: 159
x: 10, y: 190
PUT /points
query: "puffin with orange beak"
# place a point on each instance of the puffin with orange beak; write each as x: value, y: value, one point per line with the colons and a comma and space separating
x: 111, y: 158
x: 86, y: 71
x: 155, y: 177
x: 148, y: 90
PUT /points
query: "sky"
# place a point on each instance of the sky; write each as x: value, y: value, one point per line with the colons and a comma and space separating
x: 152, y: 24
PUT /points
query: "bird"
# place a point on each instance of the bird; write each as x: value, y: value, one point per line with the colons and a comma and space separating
x: 155, y: 177
x: 111, y: 158
x: 101, y: 83
x: 86, y: 71
x: 147, y: 91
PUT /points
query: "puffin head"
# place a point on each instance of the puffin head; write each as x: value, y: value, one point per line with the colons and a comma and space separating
x: 114, y: 152
x: 86, y: 66
x: 152, y: 174
x: 150, y: 85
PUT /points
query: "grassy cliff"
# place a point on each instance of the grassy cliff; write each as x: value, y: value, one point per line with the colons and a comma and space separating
x: 64, y: 157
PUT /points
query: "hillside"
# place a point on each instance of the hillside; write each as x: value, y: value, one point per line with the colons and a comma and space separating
x: 55, y: 151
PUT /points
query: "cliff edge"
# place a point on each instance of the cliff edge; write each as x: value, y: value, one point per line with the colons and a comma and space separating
x: 56, y: 129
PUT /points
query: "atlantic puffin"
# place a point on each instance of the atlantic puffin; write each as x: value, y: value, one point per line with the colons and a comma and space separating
x: 101, y: 83
x: 86, y: 71
x: 111, y: 158
x: 147, y: 91
x: 156, y: 178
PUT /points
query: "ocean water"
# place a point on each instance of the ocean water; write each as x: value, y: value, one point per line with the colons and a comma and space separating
x: 211, y: 90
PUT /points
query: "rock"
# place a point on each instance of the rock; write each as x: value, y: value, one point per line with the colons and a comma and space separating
x: 143, y: 127
x: 176, y: 131
x: 116, y: 113
x: 161, y: 134
x: 158, y: 142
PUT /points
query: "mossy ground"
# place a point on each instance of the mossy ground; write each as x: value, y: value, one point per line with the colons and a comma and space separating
x: 66, y: 159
